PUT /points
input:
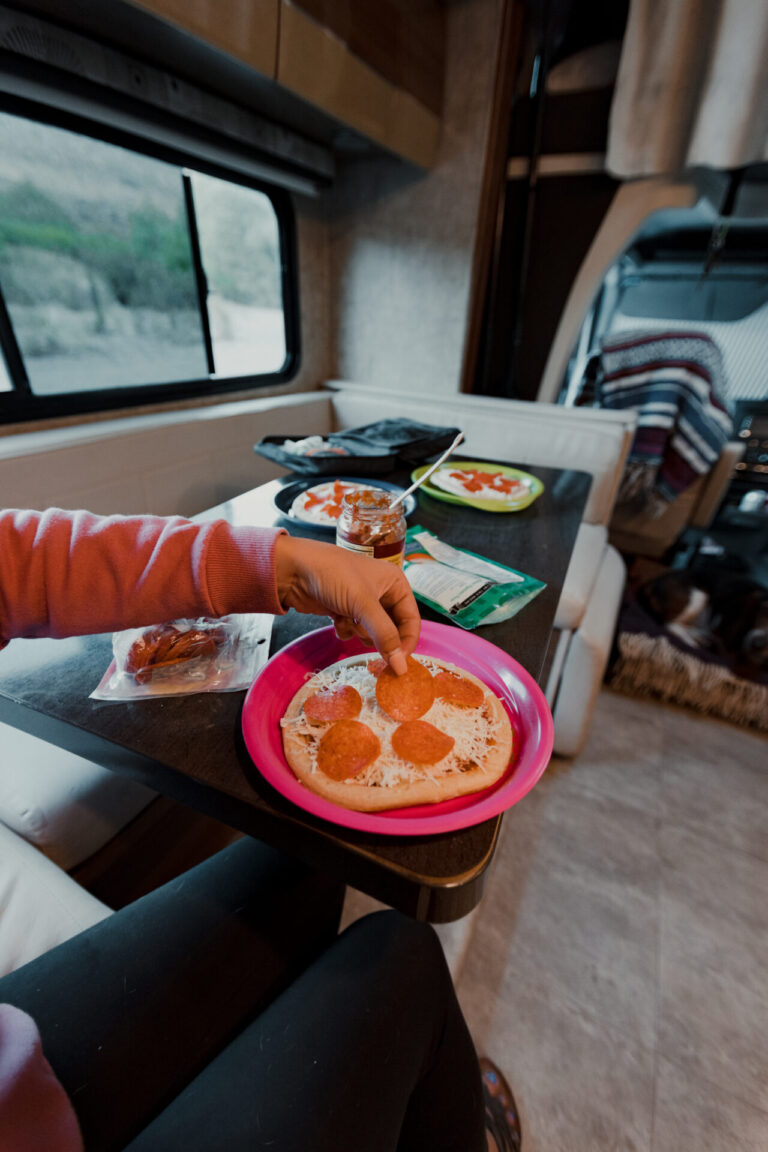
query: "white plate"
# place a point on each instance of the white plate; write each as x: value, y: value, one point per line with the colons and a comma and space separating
x: 286, y: 499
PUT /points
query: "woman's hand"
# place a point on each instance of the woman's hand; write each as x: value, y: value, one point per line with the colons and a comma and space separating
x: 364, y: 597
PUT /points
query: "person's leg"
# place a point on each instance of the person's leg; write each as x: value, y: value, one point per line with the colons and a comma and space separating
x: 130, y: 1010
x: 367, y: 1050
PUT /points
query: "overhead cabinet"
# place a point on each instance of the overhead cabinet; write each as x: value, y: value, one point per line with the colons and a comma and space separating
x: 245, y: 29
x: 377, y: 67
x: 374, y: 66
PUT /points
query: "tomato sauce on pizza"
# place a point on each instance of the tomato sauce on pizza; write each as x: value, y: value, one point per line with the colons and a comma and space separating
x: 321, y: 504
x: 478, y: 482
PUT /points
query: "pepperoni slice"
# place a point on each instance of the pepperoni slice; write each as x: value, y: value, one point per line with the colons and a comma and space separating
x: 341, y: 703
x: 376, y: 667
x: 457, y: 690
x: 346, y: 748
x: 420, y: 742
x: 408, y: 696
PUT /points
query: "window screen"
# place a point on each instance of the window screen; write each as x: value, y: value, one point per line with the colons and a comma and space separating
x: 240, y: 253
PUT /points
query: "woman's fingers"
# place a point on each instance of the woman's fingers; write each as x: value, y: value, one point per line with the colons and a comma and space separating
x: 345, y: 628
x: 401, y: 606
x: 388, y: 613
x: 375, y: 627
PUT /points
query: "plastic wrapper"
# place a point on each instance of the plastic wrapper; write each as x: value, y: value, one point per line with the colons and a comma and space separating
x: 186, y: 656
x: 467, y: 588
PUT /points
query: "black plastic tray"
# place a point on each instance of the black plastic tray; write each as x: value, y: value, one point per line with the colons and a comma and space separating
x: 373, y: 449
x: 362, y: 463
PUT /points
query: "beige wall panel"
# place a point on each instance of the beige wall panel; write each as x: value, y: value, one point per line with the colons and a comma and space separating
x: 176, y: 463
x: 402, y: 241
x: 246, y: 29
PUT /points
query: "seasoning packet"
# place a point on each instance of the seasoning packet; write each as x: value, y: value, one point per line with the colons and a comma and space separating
x: 461, y: 585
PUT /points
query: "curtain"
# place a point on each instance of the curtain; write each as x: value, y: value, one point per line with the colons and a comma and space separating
x: 692, y: 88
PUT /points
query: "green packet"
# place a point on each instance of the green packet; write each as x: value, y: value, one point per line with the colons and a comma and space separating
x: 467, y: 588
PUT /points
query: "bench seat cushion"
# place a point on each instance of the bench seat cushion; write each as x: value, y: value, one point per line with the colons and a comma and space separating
x: 517, y: 432
x: 66, y: 806
x: 40, y: 906
x: 586, y: 559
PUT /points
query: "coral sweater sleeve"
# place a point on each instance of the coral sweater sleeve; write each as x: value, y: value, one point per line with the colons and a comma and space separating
x: 73, y: 573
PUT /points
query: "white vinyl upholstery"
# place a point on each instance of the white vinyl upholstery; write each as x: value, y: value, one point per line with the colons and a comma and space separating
x: 587, y: 656
x: 588, y: 554
x: 40, y: 905
x: 66, y: 806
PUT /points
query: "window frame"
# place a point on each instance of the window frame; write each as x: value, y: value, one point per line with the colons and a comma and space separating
x: 22, y: 405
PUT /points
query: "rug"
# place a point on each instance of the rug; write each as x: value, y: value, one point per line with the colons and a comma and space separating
x: 650, y: 660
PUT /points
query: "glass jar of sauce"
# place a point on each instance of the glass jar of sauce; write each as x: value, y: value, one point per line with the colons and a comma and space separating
x: 368, y: 523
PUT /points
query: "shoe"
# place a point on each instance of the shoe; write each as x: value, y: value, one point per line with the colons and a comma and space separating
x: 502, y: 1118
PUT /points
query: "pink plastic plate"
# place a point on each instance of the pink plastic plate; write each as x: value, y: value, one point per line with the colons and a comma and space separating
x: 280, y: 679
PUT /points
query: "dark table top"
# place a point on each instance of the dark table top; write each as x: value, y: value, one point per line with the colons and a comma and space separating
x: 191, y: 747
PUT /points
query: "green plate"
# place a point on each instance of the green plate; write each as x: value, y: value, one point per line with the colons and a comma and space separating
x: 513, y: 504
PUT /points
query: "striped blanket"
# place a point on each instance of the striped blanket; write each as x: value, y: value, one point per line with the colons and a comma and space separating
x: 672, y: 379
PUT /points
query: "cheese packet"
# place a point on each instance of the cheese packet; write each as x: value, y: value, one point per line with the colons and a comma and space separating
x: 461, y: 585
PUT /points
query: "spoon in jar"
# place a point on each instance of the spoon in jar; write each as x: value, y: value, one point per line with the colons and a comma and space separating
x: 429, y: 471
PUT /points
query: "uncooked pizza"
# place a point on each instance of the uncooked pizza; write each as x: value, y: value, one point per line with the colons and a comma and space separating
x: 369, y: 740
x: 479, y: 483
x: 321, y: 504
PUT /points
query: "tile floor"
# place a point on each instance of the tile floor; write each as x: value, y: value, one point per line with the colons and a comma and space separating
x: 616, y: 967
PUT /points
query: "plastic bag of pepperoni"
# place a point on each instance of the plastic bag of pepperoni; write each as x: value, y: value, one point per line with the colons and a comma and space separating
x: 186, y: 656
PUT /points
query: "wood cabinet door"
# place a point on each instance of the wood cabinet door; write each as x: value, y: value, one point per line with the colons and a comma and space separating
x: 329, y: 54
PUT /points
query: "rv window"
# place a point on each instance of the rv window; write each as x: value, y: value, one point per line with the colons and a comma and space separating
x: 126, y: 277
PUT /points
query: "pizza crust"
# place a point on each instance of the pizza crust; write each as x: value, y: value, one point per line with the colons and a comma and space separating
x: 427, y: 785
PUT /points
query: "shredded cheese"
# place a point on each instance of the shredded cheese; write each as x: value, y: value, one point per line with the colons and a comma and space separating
x: 474, y: 730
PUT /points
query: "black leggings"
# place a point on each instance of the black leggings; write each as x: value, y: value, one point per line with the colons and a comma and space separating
x: 222, y: 1012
